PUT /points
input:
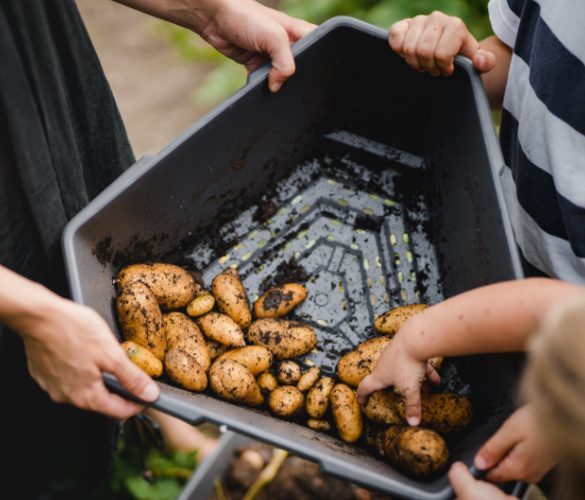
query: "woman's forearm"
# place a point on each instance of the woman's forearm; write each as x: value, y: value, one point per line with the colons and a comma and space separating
x: 494, y: 81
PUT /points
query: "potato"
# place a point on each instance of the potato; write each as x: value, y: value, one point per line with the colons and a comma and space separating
x: 346, y: 413
x: 214, y: 348
x: 279, y: 301
x: 288, y: 372
x: 143, y: 358
x: 183, y: 333
x: 255, y: 358
x: 319, y: 425
x: 309, y: 378
x: 267, y: 382
x: 201, y: 305
x: 318, y: 397
x: 443, y: 412
x: 140, y: 318
x: 419, y: 451
x: 285, y: 401
x: 231, y: 297
x: 222, y: 329
x: 234, y: 382
x: 285, y: 339
x: 391, y: 321
x: 436, y: 363
x: 183, y: 369
x: 357, y: 364
x: 172, y: 286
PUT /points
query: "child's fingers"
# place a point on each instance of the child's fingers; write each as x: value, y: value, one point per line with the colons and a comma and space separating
x: 367, y: 386
x: 462, y: 481
x: 497, y: 447
x: 417, y: 26
x: 427, y: 43
x: 412, y: 405
x: 456, y: 39
x: 484, y: 60
x: 432, y: 374
x: 396, y: 35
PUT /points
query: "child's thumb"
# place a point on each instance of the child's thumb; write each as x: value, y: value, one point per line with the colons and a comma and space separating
x: 367, y: 386
x: 484, y: 60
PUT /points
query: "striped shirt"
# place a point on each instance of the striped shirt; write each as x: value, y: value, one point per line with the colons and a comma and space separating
x: 543, y: 131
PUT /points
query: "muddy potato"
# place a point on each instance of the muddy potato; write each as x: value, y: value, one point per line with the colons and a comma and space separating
x: 267, y: 382
x: 288, y: 372
x: 143, y: 358
x: 318, y: 397
x: 172, y: 286
x: 201, y: 305
x: 421, y: 452
x: 222, y: 329
x: 183, y: 333
x: 215, y: 349
x: 319, y: 425
x: 234, y: 382
x: 383, y: 407
x: 285, y: 339
x: 391, y: 321
x: 279, y: 301
x: 231, y: 297
x: 346, y: 413
x: 285, y: 401
x: 255, y: 358
x: 140, y: 318
x: 183, y: 369
x: 360, y: 362
x: 309, y: 378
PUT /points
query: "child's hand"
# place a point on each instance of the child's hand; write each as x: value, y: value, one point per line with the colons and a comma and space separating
x: 466, y: 487
x: 519, y: 451
x: 396, y: 367
x: 430, y: 43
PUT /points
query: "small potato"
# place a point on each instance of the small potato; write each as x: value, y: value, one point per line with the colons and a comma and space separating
x: 140, y: 318
x: 172, y: 286
x: 419, y: 451
x: 143, y: 358
x: 232, y: 381
x: 279, y: 301
x: 231, y: 297
x: 183, y: 333
x: 214, y: 348
x: 288, y: 372
x: 267, y: 382
x: 391, y: 321
x: 318, y: 397
x: 183, y: 369
x: 201, y: 305
x: 346, y: 413
x: 285, y: 401
x: 222, y: 329
x: 255, y: 358
x: 357, y: 364
x: 319, y: 425
x: 309, y: 378
x: 285, y: 339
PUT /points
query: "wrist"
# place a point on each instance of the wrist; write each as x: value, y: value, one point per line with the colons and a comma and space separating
x: 412, y: 338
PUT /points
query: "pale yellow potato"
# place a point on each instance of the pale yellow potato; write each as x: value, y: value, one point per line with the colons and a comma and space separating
x: 201, y: 305
x: 222, y: 329
x: 172, y: 286
x: 391, y: 321
x: 285, y: 401
x: 346, y: 413
x: 279, y: 301
x: 357, y: 364
x: 140, y: 317
x: 255, y: 358
x: 215, y: 349
x: 231, y: 297
x: 383, y: 407
x: 319, y: 425
x: 234, y: 382
x: 183, y: 333
x: 309, y: 378
x: 288, y: 372
x: 267, y: 382
x: 143, y: 358
x: 285, y: 339
x: 318, y: 397
x: 418, y: 451
x: 183, y: 369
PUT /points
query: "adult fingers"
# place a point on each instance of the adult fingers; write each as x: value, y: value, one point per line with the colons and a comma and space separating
x: 497, y: 447
x: 367, y: 386
x: 396, y: 35
x: 412, y: 405
x: 283, y: 64
x: 112, y: 405
x: 134, y: 380
x: 427, y: 44
x: 296, y: 28
x: 411, y: 38
x: 432, y: 374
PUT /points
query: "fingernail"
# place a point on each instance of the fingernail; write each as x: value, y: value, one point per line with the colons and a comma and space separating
x: 480, y: 60
x: 480, y: 462
x: 414, y: 421
x: 150, y: 393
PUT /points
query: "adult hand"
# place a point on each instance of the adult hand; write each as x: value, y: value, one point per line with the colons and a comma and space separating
x: 430, y: 43
x: 68, y: 346
x: 466, y: 487
x: 519, y: 451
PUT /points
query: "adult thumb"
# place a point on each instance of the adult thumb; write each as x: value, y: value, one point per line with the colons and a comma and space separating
x: 135, y: 381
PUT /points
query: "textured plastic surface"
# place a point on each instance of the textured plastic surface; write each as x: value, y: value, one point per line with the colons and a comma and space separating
x: 385, y: 183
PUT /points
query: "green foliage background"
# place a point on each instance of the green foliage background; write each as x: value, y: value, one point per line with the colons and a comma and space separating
x: 227, y: 76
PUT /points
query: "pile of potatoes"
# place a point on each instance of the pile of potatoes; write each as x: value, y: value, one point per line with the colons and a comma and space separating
x: 202, y: 339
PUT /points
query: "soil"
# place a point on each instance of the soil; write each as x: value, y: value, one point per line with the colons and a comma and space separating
x: 286, y: 272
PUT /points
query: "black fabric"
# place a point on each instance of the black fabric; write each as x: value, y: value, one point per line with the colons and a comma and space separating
x: 61, y: 143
